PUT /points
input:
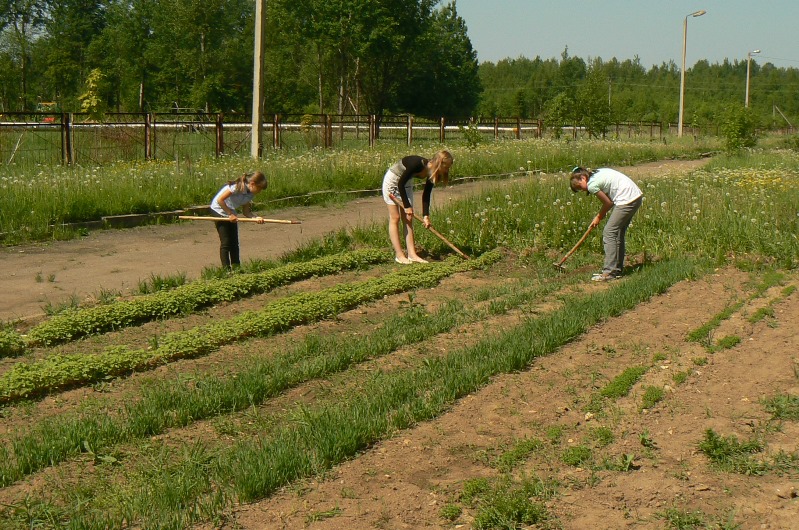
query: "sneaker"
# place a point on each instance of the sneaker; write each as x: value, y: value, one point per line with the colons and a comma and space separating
x: 604, y: 277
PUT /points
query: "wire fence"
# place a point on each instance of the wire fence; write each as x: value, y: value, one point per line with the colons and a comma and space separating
x: 48, y: 138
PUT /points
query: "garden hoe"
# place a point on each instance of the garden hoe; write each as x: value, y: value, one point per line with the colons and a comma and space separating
x: 559, y: 265
x: 240, y: 220
x: 433, y: 230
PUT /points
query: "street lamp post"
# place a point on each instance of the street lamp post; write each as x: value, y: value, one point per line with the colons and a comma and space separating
x: 748, y: 63
x: 682, y: 73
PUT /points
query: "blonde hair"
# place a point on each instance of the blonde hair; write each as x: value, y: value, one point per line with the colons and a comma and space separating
x: 439, y: 172
x: 255, y: 177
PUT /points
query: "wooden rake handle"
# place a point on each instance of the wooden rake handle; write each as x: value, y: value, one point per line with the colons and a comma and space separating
x: 433, y: 230
x: 575, y: 247
x: 240, y: 220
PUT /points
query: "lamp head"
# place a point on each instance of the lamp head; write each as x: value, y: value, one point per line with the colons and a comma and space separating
x: 698, y: 13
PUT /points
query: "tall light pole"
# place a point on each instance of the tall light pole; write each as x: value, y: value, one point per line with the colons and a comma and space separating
x: 256, y: 140
x: 682, y: 73
x: 748, y: 63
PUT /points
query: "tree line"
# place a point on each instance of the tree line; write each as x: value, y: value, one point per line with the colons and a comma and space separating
x: 322, y: 56
x: 593, y: 93
x: 344, y: 57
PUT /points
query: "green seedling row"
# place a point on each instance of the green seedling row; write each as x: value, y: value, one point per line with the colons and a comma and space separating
x: 78, y: 323
x: 168, y: 405
x: 59, y: 371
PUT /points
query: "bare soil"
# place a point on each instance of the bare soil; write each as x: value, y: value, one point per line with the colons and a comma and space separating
x: 406, y: 480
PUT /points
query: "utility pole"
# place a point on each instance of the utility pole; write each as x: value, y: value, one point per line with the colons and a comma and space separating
x: 258, y: 80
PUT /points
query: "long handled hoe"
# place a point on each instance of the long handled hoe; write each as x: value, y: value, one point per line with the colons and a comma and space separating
x: 433, y: 230
x: 559, y: 265
x: 240, y: 220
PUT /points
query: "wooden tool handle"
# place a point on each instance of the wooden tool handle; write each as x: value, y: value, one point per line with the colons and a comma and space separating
x: 240, y: 219
x: 433, y: 230
x: 575, y: 247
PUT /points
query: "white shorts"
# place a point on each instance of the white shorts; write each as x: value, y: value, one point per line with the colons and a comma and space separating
x: 391, y: 187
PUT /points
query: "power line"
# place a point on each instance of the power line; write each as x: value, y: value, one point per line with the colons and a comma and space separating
x: 776, y: 58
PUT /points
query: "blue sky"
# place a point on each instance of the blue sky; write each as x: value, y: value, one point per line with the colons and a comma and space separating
x: 650, y: 29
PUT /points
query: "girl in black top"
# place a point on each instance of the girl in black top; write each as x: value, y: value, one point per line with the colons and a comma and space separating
x: 398, y: 181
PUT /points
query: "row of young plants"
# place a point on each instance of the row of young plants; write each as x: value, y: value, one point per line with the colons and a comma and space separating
x: 62, y: 370
x: 508, y: 501
x: 184, y: 486
x: 704, y: 333
x: 249, y: 382
x: 189, y: 298
x: 38, y: 202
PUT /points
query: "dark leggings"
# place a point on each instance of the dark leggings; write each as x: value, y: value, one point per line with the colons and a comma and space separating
x: 228, y: 243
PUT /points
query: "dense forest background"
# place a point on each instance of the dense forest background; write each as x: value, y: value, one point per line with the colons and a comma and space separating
x: 343, y: 57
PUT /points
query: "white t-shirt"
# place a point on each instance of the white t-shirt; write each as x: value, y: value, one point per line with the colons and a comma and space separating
x: 234, y: 201
x: 617, y: 186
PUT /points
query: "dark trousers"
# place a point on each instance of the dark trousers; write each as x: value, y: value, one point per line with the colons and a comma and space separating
x: 228, y: 243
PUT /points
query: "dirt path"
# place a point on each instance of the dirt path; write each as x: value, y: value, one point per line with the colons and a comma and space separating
x: 33, y: 276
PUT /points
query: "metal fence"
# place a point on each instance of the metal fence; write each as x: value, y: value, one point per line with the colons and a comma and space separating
x: 42, y: 138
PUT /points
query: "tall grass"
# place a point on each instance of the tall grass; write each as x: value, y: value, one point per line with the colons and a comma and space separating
x: 749, y: 211
x: 36, y: 199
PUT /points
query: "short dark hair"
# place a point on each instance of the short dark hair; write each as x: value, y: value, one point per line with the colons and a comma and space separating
x: 577, y: 175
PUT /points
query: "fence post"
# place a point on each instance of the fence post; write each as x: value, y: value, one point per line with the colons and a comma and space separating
x: 220, y: 140
x: 410, y: 130
x: 372, y: 130
x: 518, y: 128
x: 276, y: 131
x: 539, y: 131
x: 328, y: 131
x: 496, y: 128
x: 148, y: 153
x: 66, y: 141
x: 441, y: 129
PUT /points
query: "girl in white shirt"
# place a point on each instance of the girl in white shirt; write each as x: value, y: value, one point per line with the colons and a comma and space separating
x: 616, y: 191
x: 235, y: 194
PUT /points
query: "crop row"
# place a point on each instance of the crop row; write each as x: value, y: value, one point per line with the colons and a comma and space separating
x: 250, y: 381
x: 59, y: 371
x: 188, y: 485
x: 189, y: 298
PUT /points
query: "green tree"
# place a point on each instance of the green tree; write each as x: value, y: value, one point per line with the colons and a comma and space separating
x: 739, y: 128
x: 197, y: 49
x: 71, y: 26
x: 91, y: 100
x: 559, y: 111
x: 592, y: 106
x: 448, y: 83
x: 20, y: 24
x: 386, y: 49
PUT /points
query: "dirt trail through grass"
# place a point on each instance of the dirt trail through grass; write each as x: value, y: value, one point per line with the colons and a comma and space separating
x: 33, y: 276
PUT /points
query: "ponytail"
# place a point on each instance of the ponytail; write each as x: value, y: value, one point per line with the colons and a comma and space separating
x: 241, y: 182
